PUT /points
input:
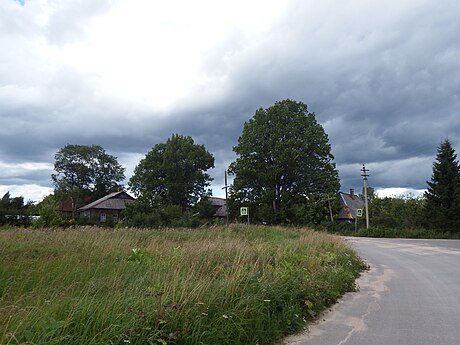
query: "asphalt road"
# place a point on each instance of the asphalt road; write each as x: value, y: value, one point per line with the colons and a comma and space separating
x: 410, y: 296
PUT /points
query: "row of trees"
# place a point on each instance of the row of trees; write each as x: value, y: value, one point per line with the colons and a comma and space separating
x: 284, y: 172
x: 438, y: 208
x: 397, y: 212
x: 14, y: 211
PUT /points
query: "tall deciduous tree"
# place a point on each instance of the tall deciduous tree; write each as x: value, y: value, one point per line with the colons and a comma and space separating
x: 285, y: 167
x: 173, y: 173
x: 443, y: 192
x: 83, y: 170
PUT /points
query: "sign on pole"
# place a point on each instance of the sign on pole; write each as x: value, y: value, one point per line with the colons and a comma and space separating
x: 244, y: 212
x: 359, y: 212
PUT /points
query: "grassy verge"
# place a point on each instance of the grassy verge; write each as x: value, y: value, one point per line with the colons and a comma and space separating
x: 236, y: 285
x: 347, y: 229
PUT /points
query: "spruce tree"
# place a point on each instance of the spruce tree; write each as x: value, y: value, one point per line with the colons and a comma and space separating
x: 442, y: 196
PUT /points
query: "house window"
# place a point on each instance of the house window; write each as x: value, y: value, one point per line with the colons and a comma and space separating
x: 115, y: 217
x: 102, y: 217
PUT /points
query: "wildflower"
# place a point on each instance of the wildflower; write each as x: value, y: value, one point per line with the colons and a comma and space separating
x: 225, y: 316
x: 204, y: 314
x: 267, y: 300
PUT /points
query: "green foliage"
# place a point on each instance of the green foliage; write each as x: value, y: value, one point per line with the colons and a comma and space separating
x: 142, y: 213
x: 443, y: 192
x: 378, y: 231
x: 204, y: 209
x: 284, y: 166
x: 341, y: 228
x: 228, y: 285
x: 168, y: 183
x: 397, y: 212
x: 83, y: 170
x: 173, y: 173
x: 136, y: 256
x: 13, y: 211
x: 48, y: 214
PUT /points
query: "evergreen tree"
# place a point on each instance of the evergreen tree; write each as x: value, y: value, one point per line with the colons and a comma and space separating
x: 442, y: 196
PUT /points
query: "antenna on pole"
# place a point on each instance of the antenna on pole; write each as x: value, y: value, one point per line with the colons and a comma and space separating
x: 365, y: 175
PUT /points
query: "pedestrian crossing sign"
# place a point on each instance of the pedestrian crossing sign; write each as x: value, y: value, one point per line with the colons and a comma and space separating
x: 244, y: 211
x: 359, y: 212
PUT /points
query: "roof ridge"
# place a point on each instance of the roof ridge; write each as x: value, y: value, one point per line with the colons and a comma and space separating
x: 101, y: 200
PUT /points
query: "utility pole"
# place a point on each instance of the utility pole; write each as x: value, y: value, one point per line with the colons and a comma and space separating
x: 365, y: 175
x: 330, y: 208
x: 226, y: 197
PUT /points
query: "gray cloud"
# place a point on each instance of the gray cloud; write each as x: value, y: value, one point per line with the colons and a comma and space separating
x: 383, y: 79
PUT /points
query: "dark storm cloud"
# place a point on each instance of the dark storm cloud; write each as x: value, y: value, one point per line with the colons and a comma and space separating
x: 385, y: 94
x: 383, y: 80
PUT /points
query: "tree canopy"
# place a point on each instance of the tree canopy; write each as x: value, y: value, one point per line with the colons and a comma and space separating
x: 173, y: 173
x: 284, y: 163
x: 83, y: 170
x: 443, y: 192
x: 13, y: 211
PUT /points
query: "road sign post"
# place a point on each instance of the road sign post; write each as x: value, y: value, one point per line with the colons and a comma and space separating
x: 359, y: 214
x: 244, y: 212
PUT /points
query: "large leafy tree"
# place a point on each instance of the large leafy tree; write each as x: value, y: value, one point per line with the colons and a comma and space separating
x: 85, y: 171
x: 284, y: 168
x: 443, y: 192
x: 173, y: 173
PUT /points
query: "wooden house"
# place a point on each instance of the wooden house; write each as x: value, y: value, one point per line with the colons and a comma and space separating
x: 109, y: 207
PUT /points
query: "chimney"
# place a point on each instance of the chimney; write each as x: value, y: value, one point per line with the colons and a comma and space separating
x: 352, y: 192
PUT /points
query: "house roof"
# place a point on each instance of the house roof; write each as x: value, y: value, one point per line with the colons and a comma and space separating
x: 112, y: 201
x: 220, y: 204
x: 215, y: 201
x: 350, y: 203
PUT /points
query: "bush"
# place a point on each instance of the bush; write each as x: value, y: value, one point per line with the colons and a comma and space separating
x: 348, y: 229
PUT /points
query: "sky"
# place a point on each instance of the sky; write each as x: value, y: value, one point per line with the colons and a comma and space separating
x: 383, y: 79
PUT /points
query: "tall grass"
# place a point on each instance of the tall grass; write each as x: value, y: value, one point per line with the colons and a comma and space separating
x: 347, y: 229
x: 235, y: 285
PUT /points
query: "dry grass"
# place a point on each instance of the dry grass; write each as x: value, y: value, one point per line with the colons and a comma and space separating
x: 236, y: 285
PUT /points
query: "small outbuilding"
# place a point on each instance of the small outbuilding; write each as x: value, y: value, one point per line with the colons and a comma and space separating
x: 220, y: 206
x: 109, y: 207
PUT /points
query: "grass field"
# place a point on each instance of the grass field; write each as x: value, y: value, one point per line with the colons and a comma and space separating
x: 223, y: 285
